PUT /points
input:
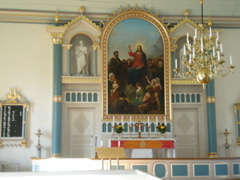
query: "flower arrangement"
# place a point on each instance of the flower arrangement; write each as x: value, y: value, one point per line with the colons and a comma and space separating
x: 119, y: 128
x: 161, y: 128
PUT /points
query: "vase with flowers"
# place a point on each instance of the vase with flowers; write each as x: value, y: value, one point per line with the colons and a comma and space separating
x: 119, y: 129
x: 162, y: 129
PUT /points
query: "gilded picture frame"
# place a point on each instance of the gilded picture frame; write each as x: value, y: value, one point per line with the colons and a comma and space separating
x: 136, y: 28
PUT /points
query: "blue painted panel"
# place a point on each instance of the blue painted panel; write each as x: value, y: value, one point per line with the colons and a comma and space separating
x: 188, y: 98
x: 79, y: 97
x: 68, y: 97
x: 122, y: 167
x: 90, y: 97
x: 84, y: 97
x: 104, y: 127
x: 179, y: 170
x: 125, y: 127
x: 221, y: 169
x: 160, y: 170
x: 143, y: 168
x: 110, y: 129
x: 236, y: 169
x: 73, y: 97
x: 193, y: 98
x: 95, y: 97
x: 201, y: 170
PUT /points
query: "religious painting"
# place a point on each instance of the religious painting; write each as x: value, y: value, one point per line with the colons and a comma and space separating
x: 81, y: 55
x: 136, y: 67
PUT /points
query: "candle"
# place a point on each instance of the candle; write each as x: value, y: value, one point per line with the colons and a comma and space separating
x: 113, y: 120
x: 148, y: 120
x: 130, y: 120
x: 175, y: 63
x: 195, y: 33
x: 187, y: 38
x: 218, y: 53
x: 165, y: 121
x: 231, y: 63
x: 217, y: 36
x: 210, y: 33
x: 193, y: 52
x: 156, y: 120
x: 184, y: 50
x: 118, y: 143
x: 190, y: 58
x: 122, y: 120
x: 101, y: 143
x: 213, y: 49
x: 201, y: 44
x: 221, y: 48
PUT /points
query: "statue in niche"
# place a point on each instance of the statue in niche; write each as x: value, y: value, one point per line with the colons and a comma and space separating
x: 82, y: 59
x: 81, y: 56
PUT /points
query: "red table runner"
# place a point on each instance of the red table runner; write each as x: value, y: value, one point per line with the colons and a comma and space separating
x: 143, y: 144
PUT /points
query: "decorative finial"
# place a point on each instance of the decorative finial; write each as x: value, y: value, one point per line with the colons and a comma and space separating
x: 81, y: 10
x: 57, y: 17
x: 209, y: 21
x: 186, y: 13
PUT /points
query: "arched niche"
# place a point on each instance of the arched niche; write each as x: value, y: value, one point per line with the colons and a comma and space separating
x: 81, y: 29
x: 178, y: 34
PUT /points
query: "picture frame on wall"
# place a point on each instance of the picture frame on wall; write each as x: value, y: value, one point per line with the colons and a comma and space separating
x: 136, y: 54
x: 13, y: 119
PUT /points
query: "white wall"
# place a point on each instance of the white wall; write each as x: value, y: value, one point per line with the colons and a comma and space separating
x: 26, y: 64
x: 227, y: 92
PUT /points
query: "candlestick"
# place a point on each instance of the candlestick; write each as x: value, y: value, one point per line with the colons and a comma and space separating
x: 148, y: 120
x: 156, y: 120
x: 231, y: 62
x: 122, y: 120
x: 113, y: 120
x: 130, y: 120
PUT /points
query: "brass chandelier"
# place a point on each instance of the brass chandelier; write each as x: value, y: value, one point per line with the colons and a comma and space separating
x: 203, y: 59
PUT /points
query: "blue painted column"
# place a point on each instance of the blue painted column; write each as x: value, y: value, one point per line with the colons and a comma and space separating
x: 57, y: 95
x: 211, y: 117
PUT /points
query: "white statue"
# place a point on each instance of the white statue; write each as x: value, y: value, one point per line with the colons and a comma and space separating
x: 82, y: 59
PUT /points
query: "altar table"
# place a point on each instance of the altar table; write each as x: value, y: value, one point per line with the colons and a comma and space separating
x: 145, y: 146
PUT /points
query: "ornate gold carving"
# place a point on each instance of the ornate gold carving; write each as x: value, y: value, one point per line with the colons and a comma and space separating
x: 183, y: 22
x: 95, y: 46
x: 57, y: 17
x: 76, y: 79
x: 56, y: 155
x: 84, y: 18
x: 68, y: 46
x: 212, y: 154
x: 57, y: 98
x: 13, y: 97
x: 210, y: 99
x: 23, y: 143
x: 57, y: 38
x: 183, y: 81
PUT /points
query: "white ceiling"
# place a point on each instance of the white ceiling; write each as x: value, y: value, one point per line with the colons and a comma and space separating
x: 166, y: 7
x: 224, y: 13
